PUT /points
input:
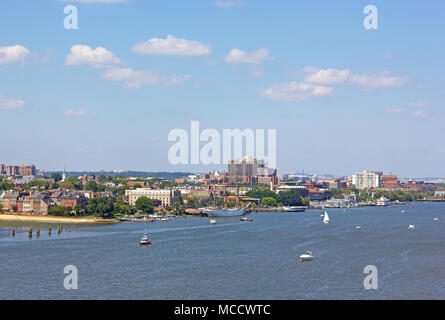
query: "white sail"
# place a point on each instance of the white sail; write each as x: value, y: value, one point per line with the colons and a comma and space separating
x: 326, y: 217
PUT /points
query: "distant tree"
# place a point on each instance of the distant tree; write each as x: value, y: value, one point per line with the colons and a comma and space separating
x: 57, y: 177
x: 269, y: 201
x: 94, y: 186
x: 290, y: 198
x: 6, y: 185
x: 55, y: 186
x: 101, y: 206
x: 1, y: 207
x: 144, y: 204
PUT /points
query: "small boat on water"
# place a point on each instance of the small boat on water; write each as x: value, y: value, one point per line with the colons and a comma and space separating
x: 247, y: 219
x: 403, y: 211
x: 411, y: 227
x: 144, y: 241
x: 410, y: 207
x: 326, y: 218
x: 436, y: 219
x: 358, y: 227
x: 212, y: 221
x: 307, y: 256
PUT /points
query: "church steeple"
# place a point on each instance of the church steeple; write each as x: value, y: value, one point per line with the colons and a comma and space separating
x: 64, y: 173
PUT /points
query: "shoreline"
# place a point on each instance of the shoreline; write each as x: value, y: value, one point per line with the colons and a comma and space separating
x: 55, y: 219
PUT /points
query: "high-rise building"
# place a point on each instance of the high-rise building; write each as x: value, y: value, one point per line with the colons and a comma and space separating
x: 366, y: 179
x: 244, y: 167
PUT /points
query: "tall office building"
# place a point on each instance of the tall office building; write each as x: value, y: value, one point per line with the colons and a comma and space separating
x: 366, y: 179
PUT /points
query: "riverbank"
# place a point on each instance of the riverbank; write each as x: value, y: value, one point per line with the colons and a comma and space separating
x: 56, y: 219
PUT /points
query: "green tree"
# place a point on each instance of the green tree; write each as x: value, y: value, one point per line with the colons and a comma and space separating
x: 144, y: 204
x: 269, y: 201
x: 57, y: 177
x: 94, y: 186
x: 101, y: 206
x: 6, y: 185
x: 290, y: 198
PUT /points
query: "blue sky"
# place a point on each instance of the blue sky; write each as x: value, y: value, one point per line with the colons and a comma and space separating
x: 342, y: 98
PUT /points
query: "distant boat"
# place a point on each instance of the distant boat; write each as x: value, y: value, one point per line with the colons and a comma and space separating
x: 293, y: 209
x: 411, y: 227
x: 212, y: 221
x: 410, y: 207
x: 144, y: 241
x: 326, y: 217
x: 436, y: 219
x: 307, y: 256
x: 225, y: 212
x: 247, y: 219
x: 358, y: 227
x: 403, y: 211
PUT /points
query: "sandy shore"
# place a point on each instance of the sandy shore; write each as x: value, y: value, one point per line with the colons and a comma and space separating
x: 56, y: 219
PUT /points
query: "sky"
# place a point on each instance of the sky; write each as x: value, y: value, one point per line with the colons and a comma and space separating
x: 342, y: 98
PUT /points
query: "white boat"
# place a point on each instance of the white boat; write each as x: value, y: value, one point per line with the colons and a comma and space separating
x: 212, y: 221
x: 307, y: 256
x: 246, y: 219
x: 403, y: 211
x: 144, y: 241
x: 411, y: 227
x: 326, y: 217
x: 436, y: 219
x: 293, y: 209
x: 358, y: 227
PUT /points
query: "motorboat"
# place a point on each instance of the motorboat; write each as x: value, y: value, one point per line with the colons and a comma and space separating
x: 358, y: 227
x: 144, y: 241
x: 212, y: 221
x: 246, y: 219
x: 307, y: 256
x: 411, y: 227
x: 293, y: 209
x: 403, y: 211
x: 436, y: 219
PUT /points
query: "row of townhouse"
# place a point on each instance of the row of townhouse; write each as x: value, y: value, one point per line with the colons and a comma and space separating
x: 40, y: 202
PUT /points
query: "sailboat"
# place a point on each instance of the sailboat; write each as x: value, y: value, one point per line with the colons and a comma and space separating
x: 226, y: 212
x: 326, y: 217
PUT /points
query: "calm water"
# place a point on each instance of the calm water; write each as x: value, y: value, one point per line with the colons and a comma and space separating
x: 191, y: 259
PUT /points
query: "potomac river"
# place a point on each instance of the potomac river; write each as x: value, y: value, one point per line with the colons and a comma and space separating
x: 192, y: 259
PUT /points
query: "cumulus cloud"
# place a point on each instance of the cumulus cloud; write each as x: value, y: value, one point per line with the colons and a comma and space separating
x: 13, y: 54
x: 96, y: 58
x: 345, y: 76
x: 395, y: 110
x: 11, y: 104
x: 172, y: 46
x: 419, y: 104
x: 136, y: 78
x: 97, y: 1
x: 255, y: 57
x: 327, y: 76
x: 378, y: 80
x: 80, y: 112
x: 294, y: 91
x: 419, y: 114
x: 229, y: 3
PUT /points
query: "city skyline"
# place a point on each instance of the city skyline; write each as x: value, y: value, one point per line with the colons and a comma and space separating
x: 342, y: 98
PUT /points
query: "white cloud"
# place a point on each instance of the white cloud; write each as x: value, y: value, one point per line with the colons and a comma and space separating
x: 98, y: 1
x: 85, y: 55
x: 395, y: 110
x: 80, y: 112
x: 172, y: 46
x: 419, y: 104
x: 11, y: 104
x: 136, y: 78
x: 327, y: 76
x: 419, y: 114
x: 255, y: 57
x: 13, y: 54
x: 229, y: 3
x: 378, y: 80
x: 293, y: 91
x: 333, y: 76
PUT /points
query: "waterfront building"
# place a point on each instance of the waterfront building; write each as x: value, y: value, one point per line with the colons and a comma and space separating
x: 167, y: 196
x: 389, y: 181
x: 366, y: 179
